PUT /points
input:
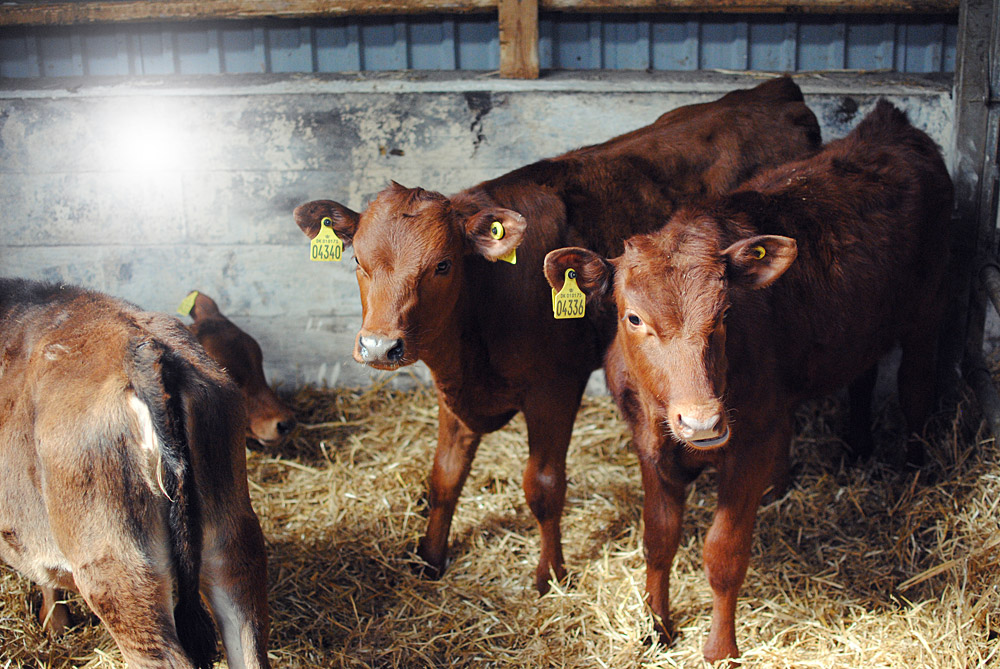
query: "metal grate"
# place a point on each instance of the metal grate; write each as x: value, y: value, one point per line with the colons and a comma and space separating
x: 912, y: 43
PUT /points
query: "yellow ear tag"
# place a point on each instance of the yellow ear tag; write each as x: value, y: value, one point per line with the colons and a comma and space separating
x: 758, y: 252
x: 326, y: 246
x: 497, y: 232
x: 570, y: 301
x: 187, y: 304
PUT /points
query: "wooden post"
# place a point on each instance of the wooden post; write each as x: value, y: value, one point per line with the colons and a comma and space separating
x: 518, y: 39
x: 977, y: 182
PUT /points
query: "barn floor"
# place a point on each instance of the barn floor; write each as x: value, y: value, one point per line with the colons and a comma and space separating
x: 858, y: 567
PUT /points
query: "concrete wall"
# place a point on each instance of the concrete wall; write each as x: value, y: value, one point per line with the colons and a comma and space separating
x: 146, y: 189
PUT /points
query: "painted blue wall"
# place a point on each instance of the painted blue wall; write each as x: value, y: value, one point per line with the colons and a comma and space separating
x: 917, y: 44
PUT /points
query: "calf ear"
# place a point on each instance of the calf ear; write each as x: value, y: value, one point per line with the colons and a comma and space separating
x: 311, y: 215
x: 495, y: 232
x: 757, y: 261
x: 594, y: 274
x: 204, y: 307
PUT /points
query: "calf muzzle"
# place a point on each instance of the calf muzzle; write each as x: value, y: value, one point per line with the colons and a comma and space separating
x: 702, y: 429
x: 380, y: 351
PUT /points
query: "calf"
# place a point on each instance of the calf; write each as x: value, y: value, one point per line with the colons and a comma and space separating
x: 122, y: 449
x: 431, y: 289
x: 270, y: 419
x: 709, y: 362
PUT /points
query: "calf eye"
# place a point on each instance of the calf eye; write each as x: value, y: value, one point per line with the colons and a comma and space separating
x: 442, y: 267
x: 634, y: 320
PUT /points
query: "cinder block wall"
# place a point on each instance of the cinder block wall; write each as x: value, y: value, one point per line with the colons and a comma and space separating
x: 146, y: 189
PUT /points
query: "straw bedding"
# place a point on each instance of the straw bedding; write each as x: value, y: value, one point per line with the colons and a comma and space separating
x: 860, y: 566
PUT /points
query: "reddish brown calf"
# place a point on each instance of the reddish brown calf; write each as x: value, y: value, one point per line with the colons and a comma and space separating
x: 270, y: 419
x: 709, y: 361
x: 431, y: 288
x: 122, y: 447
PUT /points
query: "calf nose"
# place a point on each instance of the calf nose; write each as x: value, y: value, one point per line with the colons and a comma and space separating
x: 381, y: 349
x: 286, y: 426
x: 696, y: 428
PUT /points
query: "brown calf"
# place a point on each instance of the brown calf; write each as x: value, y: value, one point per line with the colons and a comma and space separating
x: 708, y: 365
x: 431, y: 288
x: 122, y: 447
x: 270, y: 419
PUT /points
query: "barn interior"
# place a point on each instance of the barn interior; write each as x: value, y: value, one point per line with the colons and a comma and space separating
x: 152, y: 148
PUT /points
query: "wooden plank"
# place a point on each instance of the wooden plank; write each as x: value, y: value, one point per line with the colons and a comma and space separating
x: 518, y: 39
x: 42, y: 12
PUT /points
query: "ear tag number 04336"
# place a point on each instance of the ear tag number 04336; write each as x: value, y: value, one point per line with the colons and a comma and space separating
x: 326, y: 246
x: 570, y: 301
x: 497, y: 232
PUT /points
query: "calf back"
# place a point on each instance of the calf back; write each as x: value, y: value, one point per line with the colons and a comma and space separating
x: 110, y: 417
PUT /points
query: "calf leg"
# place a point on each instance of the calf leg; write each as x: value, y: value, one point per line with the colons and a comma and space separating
x: 54, y: 615
x: 662, y: 515
x: 456, y: 447
x: 729, y: 539
x: 234, y: 581
x: 916, y: 386
x: 549, y: 414
x: 859, y: 429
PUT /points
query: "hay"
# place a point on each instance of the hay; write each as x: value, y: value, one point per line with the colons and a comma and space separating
x: 857, y: 567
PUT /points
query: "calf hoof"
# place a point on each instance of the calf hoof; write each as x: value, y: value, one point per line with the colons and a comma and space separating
x: 55, y: 620
x: 433, y: 563
x: 915, y: 456
x: 544, y: 578
x: 721, y: 649
x: 664, y: 633
x: 860, y: 448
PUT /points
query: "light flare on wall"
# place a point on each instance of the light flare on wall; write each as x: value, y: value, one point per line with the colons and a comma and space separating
x: 144, y: 140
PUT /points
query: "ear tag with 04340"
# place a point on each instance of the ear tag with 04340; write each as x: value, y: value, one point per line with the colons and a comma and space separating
x: 326, y: 246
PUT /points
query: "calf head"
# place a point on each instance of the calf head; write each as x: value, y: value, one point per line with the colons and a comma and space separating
x: 240, y: 355
x: 410, y: 248
x: 672, y: 290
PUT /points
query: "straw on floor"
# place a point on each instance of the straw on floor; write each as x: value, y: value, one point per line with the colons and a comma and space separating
x: 863, y: 566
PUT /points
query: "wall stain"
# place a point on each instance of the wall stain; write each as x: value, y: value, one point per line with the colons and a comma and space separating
x: 480, y: 103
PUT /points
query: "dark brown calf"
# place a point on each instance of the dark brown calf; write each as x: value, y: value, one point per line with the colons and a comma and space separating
x: 124, y: 477
x: 270, y: 419
x: 431, y: 288
x: 709, y: 361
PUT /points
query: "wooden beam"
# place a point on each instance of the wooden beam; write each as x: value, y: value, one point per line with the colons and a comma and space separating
x: 518, y: 39
x: 756, y: 6
x: 29, y: 12
x: 50, y: 12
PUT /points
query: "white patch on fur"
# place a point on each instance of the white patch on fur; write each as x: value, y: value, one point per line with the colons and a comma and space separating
x: 54, y: 351
x: 230, y: 621
x: 147, y: 439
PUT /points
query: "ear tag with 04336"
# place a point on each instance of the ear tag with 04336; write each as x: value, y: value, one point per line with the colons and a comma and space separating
x: 570, y: 301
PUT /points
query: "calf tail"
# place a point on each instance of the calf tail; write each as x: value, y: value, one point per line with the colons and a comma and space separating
x: 157, y: 379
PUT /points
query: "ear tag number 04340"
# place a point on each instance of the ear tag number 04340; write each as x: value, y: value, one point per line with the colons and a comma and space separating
x: 497, y: 232
x: 570, y: 301
x: 326, y: 246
